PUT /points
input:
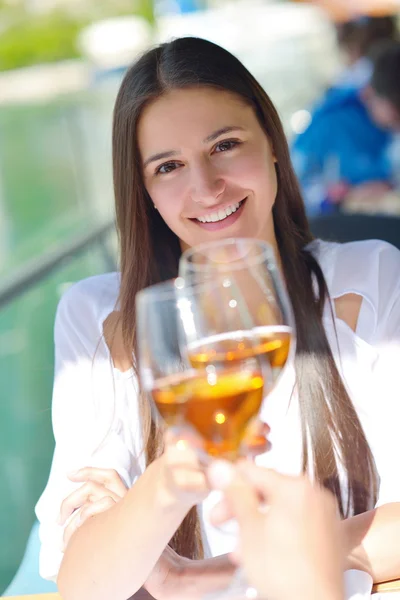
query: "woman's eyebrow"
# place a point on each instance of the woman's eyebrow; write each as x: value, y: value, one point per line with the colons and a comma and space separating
x: 210, y: 138
x: 228, y: 129
x: 160, y: 156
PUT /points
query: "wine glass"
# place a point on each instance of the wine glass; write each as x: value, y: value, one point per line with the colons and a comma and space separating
x: 249, y: 268
x: 216, y: 400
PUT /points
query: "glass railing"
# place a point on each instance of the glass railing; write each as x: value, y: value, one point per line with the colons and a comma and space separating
x: 28, y: 303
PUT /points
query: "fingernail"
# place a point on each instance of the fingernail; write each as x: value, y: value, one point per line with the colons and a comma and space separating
x: 182, y: 445
x: 72, y: 473
x: 221, y: 474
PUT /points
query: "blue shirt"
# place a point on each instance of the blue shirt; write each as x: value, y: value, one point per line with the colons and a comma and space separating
x: 341, y: 144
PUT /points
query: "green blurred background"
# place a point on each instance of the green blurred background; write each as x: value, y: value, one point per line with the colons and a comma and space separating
x: 45, y: 202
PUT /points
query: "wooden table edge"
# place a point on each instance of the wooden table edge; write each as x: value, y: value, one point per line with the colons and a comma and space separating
x: 387, y: 586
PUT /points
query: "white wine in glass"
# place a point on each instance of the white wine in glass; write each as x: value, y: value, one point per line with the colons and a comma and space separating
x: 217, y: 400
x: 248, y: 269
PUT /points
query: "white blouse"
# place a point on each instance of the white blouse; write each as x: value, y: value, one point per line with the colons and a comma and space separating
x: 95, y: 409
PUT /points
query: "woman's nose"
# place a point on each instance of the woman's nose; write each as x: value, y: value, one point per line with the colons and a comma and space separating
x: 207, y: 185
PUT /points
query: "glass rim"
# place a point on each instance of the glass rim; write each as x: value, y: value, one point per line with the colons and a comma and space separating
x: 164, y: 288
x: 170, y: 288
x: 266, y: 253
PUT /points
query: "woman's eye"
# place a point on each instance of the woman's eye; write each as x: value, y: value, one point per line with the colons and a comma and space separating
x: 226, y: 145
x: 166, y: 168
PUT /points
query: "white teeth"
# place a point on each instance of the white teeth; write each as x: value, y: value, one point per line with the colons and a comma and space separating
x: 221, y: 214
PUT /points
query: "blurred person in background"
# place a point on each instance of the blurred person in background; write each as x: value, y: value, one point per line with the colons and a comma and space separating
x: 382, y: 99
x: 356, y: 40
x: 348, y: 147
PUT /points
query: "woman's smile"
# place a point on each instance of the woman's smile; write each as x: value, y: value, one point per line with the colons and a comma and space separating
x: 220, y: 218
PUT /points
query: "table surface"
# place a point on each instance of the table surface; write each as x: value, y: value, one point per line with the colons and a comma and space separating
x: 389, y: 586
x: 37, y: 597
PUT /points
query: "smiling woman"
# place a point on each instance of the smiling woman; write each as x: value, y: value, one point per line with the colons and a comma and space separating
x: 199, y: 154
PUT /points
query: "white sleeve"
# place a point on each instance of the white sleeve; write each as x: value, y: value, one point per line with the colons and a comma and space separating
x: 90, y: 414
x: 387, y: 376
x: 357, y: 585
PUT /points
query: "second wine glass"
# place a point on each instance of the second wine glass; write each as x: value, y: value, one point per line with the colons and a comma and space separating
x: 249, y: 269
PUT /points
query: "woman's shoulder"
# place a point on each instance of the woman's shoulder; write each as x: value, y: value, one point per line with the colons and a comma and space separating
x: 87, y: 303
x: 363, y: 266
x: 369, y: 268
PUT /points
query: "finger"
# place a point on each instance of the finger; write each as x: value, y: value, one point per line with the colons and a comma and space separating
x: 183, y: 439
x: 268, y: 483
x: 273, y: 487
x: 70, y: 529
x: 88, y: 510
x: 89, y: 492
x: 257, y: 427
x: 221, y: 512
x: 255, y: 446
x: 244, y: 503
x: 95, y: 508
x: 236, y: 556
x: 107, y: 477
x: 255, y: 440
x: 181, y: 454
x: 188, y: 480
x: 242, y: 498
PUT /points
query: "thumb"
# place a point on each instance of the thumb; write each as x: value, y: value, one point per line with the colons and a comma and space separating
x: 269, y: 485
x: 240, y: 495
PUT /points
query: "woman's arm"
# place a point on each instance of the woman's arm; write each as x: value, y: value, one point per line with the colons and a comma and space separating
x: 372, y: 542
x: 114, y: 553
x: 372, y: 538
x: 102, y: 489
x: 118, y: 548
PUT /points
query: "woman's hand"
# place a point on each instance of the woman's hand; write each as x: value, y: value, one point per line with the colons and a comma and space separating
x: 181, y: 474
x: 102, y: 488
x: 181, y: 478
x: 182, y: 466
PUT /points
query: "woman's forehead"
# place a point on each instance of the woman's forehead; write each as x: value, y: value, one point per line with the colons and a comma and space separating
x: 191, y: 114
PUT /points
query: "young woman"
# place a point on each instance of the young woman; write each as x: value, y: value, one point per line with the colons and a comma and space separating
x: 199, y: 154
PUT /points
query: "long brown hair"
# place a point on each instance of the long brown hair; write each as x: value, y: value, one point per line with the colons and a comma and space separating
x: 150, y: 253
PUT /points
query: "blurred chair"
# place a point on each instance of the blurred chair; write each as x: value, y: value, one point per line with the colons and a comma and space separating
x: 352, y: 228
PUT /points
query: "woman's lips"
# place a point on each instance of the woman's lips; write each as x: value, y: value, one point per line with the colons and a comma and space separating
x: 217, y: 225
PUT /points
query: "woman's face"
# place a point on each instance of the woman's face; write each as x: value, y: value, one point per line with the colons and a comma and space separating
x: 208, y: 166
